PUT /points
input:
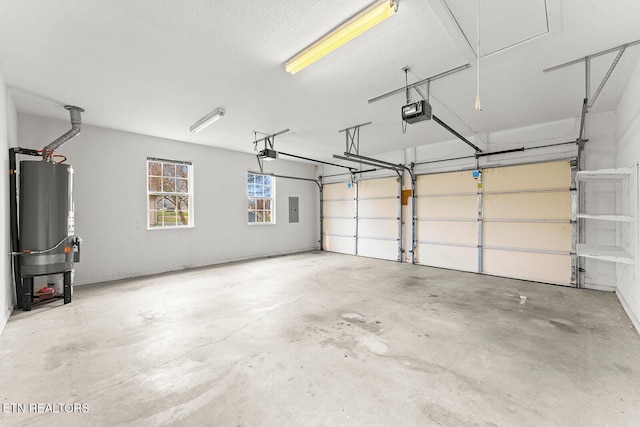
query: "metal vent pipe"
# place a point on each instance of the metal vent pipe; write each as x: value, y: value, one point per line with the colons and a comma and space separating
x: 76, y: 123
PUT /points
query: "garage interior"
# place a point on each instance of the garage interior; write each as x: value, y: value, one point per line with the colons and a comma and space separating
x: 433, y: 223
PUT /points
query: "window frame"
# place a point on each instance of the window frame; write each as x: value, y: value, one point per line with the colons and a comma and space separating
x: 272, y: 198
x: 189, y: 194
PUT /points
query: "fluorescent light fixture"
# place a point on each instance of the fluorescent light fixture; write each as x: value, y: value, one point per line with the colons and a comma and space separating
x: 206, y: 120
x: 361, y: 22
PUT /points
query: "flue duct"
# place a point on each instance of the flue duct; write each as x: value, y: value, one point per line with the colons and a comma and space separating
x: 76, y: 124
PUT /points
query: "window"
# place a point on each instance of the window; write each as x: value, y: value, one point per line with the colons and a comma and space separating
x: 170, y: 194
x: 261, y: 195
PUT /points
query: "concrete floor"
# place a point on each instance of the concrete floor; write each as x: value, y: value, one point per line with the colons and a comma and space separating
x: 324, y: 339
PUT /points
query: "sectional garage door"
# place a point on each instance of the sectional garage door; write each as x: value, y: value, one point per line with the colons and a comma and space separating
x: 378, y: 218
x: 362, y: 219
x: 519, y: 226
x: 527, y: 222
x: 338, y: 222
x: 447, y: 223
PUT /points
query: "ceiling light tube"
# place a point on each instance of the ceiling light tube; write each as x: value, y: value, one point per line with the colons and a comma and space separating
x: 206, y: 120
x: 364, y: 20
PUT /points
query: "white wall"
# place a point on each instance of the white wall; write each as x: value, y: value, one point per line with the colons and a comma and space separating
x: 110, y: 203
x: 8, y: 129
x: 628, y: 136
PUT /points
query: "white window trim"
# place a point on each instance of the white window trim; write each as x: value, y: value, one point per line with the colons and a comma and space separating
x: 273, y: 199
x: 191, y: 195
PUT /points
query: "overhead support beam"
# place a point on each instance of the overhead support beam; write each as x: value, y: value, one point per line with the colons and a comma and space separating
x: 352, y: 135
x: 450, y: 129
x: 316, y: 161
x: 421, y: 82
x: 587, y: 70
x: 397, y: 169
x: 595, y: 55
x: 497, y: 152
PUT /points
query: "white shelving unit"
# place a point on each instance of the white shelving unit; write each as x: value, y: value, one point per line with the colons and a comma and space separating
x: 625, y: 216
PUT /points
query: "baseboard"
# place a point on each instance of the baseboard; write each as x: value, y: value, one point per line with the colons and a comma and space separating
x: 142, y: 274
x: 5, y: 318
x: 630, y: 313
x: 595, y: 287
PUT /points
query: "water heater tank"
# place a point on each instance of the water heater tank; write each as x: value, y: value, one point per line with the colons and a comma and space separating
x: 46, y: 217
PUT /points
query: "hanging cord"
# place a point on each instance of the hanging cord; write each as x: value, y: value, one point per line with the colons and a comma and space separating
x: 478, y: 104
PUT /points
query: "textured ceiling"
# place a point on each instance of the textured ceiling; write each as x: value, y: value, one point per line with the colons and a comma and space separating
x: 156, y: 66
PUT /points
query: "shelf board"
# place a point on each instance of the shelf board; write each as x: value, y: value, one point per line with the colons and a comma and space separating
x: 608, y: 217
x: 605, y: 253
x: 608, y: 174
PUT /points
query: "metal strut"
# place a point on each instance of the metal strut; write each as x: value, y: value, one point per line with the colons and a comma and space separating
x: 353, y: 138
x: 587, y: 69
x: 268, y: 139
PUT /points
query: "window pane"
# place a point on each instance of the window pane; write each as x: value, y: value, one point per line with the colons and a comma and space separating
x: 183, y: 218
x: 260, y: 216
x: 252, y: 204
x: 155, y: 184
x: 260, y: 204
x: 182, y: 185
x: 182, y: 202
x: 267, y: 204
x: 168, y: 169
x: 251, y: 178
x: 169, y: 203
x: 157, y: 202
x: 267, y: 216
x: 153, y: 218
x: 182, y: 171
x: 168, y: 185
x: 267, y: 191
x: 155, y: 169
x: 259, y: 179
x: 267, y: 180
x: 251, y: 216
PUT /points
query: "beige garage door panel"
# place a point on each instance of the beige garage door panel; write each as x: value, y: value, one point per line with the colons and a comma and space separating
x: 341, y: 209
x: 382, y: 249
x: 338, y: 191
x: 378, y: 228
x: 555, y: 205
x: 446, y: 183
x: 386, y: 208
x: 448, y: 232
x: 464, y: 207
x: 529, y: 266
x: 454, y: 257
x: 382, y: 187
x: 344, y: 227
x: 527, y: 177
x: 343, y: 245
x: 539, y: 236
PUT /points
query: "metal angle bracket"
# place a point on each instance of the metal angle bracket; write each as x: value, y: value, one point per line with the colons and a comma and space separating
x: 352, y: 135
x: 587, y: 69
x: 268, y: 140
